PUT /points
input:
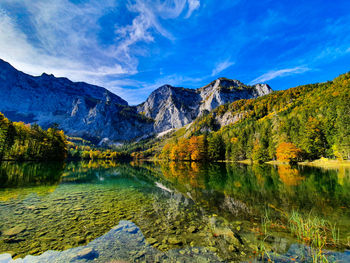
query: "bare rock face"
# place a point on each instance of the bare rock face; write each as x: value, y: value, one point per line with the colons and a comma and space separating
x: 94, y: 113
x: 173, y: 107
x: 80, y: 109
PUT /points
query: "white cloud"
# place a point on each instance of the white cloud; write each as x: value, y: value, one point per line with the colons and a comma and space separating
x: 62, y: 38
x: 149, y: 14
x: 280, y: 73
x: 192, y: 6
x: 221, y: 67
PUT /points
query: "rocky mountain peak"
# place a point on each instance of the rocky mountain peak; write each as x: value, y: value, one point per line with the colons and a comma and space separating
x: 262, y: 89
x: 174, y: 107
x: 80, y: 109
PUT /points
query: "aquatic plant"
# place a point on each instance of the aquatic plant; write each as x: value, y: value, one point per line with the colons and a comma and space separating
x: 313, y: 230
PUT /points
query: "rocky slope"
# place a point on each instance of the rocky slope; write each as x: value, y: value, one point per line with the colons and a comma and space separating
x: 79, y: 109
x: 173, y: 107
x: 94, y: 113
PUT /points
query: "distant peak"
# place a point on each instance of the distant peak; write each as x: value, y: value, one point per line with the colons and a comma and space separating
x: 166, y: 86
x: 224, y: 82
x: 47, y: 75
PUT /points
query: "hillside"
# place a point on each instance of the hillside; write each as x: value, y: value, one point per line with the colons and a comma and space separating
x: 311, y: 121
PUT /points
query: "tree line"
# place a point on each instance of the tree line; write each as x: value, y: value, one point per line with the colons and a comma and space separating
x: 20, y: 141
x: 86, y: 152
x: 25, y: 142
x: 302, y: 123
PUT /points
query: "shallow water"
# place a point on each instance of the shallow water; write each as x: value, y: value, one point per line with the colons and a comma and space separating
x: 147, y: 212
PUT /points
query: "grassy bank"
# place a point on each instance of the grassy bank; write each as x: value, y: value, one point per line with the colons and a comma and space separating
x: 327, y: 163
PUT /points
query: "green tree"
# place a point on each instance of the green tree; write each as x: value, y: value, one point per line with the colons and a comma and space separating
x: 216, y: 147
x: 259, y: 153
x: 342, y: 141
x: 313, y: 139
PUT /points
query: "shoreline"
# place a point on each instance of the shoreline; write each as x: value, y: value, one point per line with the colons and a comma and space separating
x: 320, y: 163
x: 326, y: 163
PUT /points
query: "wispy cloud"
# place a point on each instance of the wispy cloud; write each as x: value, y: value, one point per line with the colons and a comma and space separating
x: 62, y: 37
x: 280, y: 73
x: 221, y: 66
x: 59, y: 44
x: 192, y: 6
x: 144, y: 89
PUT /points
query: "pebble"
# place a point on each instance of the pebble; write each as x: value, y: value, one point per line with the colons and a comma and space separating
x: 195, y: 250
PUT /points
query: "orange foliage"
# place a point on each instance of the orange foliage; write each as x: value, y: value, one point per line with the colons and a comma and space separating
x: 185, y: 149
x: 287, y: 152
x: 289, y: 176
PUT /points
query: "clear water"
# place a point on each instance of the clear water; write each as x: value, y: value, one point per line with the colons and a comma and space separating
x: 168, y: 212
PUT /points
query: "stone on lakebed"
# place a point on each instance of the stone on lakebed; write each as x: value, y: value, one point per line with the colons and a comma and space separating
x: 14, y: 230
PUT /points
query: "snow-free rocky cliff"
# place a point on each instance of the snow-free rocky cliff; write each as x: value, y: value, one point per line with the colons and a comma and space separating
x: 173, y: 107
x: 80, y: 109
x: 93, y: 112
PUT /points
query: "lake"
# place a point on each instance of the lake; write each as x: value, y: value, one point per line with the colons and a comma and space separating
x: 172, y: 212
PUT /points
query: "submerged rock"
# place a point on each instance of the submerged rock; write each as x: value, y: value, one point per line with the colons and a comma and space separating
x: 192, y: 229
x: 151, y: 241
x: 87, y: 253
x: 14, y: 231
x: 174, y: 241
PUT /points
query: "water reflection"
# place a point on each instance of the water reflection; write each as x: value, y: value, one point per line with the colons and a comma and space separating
x: 176, y: 206
x: 26, y: 174
x: 284, y: 186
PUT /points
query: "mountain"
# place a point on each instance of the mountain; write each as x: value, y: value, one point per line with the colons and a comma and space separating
x: 94, y: 113
x: 80, y: 109
x: 173, y: 107
x: 303, y: 123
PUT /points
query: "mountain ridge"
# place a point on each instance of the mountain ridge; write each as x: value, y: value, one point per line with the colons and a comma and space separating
x: 173, y: 107
x: 94, y: 112
x: 80, y: 109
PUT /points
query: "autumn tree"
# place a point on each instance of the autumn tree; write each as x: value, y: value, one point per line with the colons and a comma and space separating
x: 20, y: 141
x: 197, y: 148
x: 288, y: 152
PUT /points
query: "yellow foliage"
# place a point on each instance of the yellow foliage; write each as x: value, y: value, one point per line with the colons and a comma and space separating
x: 287, y: 152
x: 289, y: 176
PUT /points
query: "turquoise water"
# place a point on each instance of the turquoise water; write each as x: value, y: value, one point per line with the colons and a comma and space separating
x: 169, y: 212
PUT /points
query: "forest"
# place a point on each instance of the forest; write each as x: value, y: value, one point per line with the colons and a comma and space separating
x: 20, y: 141
x: 80, y: 149
x: 303, y: 123
x: 25, y: 142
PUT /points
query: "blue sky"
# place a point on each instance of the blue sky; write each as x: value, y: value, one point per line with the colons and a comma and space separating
x: 133, y: 47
